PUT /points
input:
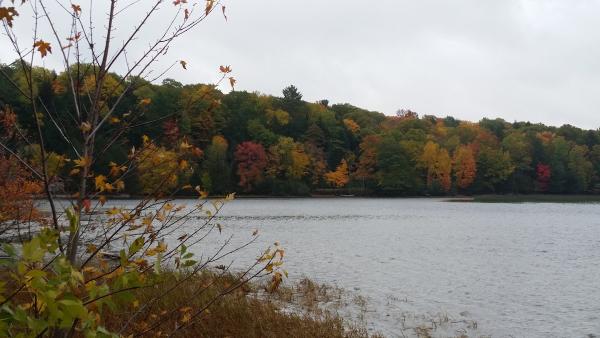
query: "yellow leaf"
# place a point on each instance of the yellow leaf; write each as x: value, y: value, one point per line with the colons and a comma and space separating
x: 100, y: 182
x: 113, y: 211
x: 183, y: 164
x: 82, y: 162
x: 108, y: 187
x: 74, y: 172
x: 119, y: 185
x: 145, y: 102
x: 185, y: 145
x: 114, y: 170
x: 85, y: 127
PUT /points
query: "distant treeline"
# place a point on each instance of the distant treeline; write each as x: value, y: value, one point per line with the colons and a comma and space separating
x: 261, y: 144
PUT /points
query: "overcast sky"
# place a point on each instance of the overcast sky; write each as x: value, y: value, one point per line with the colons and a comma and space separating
x: 536, y: 60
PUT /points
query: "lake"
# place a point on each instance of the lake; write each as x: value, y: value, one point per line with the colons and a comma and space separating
x: 521, y: 270
x: 518, y: 270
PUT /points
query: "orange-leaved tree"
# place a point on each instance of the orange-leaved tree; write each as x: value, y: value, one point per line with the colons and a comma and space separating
x: 465, y: 166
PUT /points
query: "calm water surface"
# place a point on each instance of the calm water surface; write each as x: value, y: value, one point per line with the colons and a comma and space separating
x: 519, y: 270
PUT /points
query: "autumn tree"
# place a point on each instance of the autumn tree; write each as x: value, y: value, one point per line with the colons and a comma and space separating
x: 543, y: 176
x: 438, y: 165
x: 251, y: 161
x: 352, y: 126
x: 465, y: 167
x: 520, y: 150
x: 367, y: 161
x: 158, y: 170
x: 287, y: 159
x: 318, y: 164
x: 340, y: 177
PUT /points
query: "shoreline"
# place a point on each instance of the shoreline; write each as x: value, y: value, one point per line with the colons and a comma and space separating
x: 487, y: 198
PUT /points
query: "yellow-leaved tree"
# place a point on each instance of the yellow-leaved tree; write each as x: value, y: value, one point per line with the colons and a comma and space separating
x: 340, y: 177
x: 438, y: 165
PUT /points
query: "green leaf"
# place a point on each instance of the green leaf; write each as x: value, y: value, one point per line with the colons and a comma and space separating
x: 9, y: 249
x: 123, y: 257
x: 73, y: 307
x: 32, y: 250
x: 73, y: 220
x: 189, y: 263
x: 136, y: 245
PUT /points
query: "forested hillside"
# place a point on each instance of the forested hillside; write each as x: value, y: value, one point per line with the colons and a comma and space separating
x: 260, y: 144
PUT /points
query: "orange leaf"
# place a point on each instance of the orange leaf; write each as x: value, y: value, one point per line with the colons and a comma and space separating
x: 76, y: 9
x: 232, y: 82
x: 145, y: 102
x: 225, y: 69
x: 209, y: 6
x: 183, y: 64
x: 8, y: 14
x: 179, y: 2
x: 75, y: 37
x: 43, y: 47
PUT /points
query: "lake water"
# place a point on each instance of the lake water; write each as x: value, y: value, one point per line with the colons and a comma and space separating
x: 518, y: 270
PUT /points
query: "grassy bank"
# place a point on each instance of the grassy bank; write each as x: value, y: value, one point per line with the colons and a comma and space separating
x: 536, y: 198
x: 247, y: 312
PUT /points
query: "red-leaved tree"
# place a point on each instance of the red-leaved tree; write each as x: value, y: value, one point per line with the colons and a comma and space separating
x: 252, y: 161
x: 543, y: 174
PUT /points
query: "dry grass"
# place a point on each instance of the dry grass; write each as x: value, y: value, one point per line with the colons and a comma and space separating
x: 247, y: 312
